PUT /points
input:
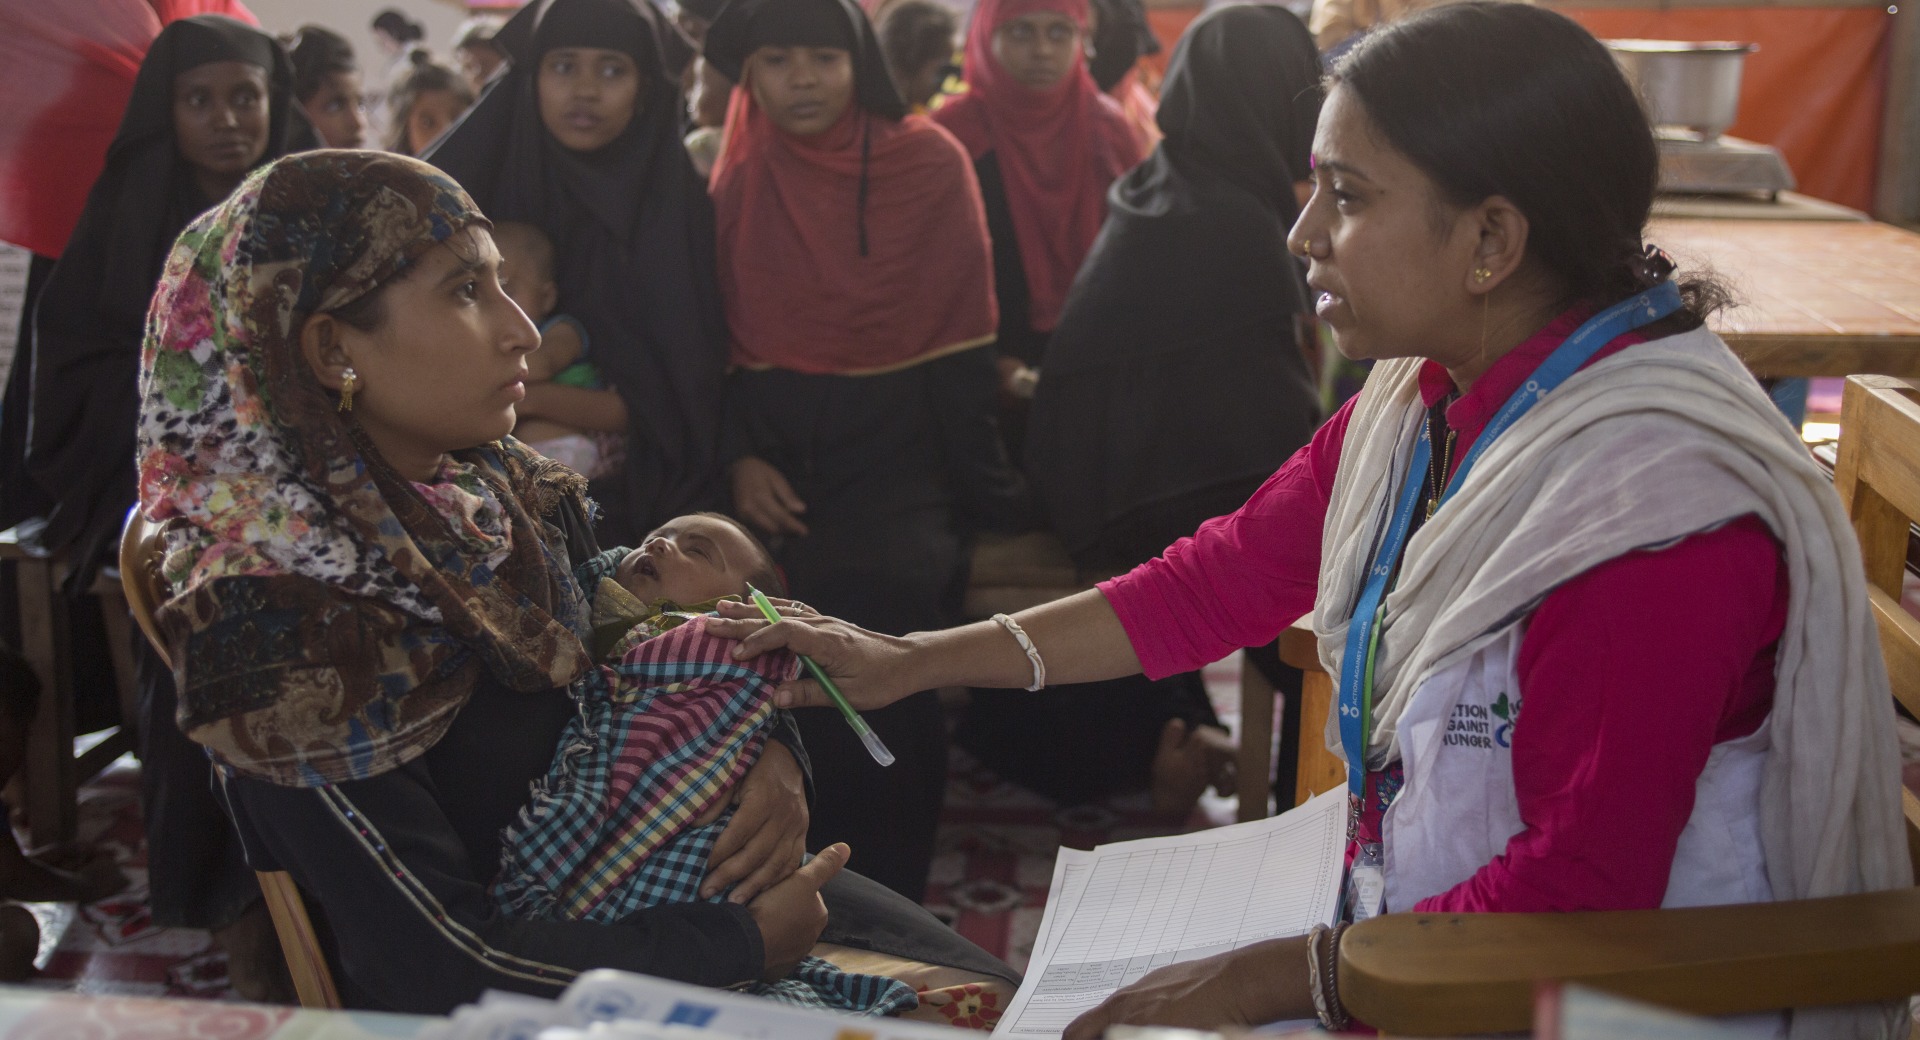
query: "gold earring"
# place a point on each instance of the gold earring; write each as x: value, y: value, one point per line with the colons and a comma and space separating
x: 349, y: 382
x: 1481, y: 274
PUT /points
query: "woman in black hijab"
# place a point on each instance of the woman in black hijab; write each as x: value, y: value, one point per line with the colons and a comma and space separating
x: 632, y: 229
x: 1175, y: 382
x: 213, y: 100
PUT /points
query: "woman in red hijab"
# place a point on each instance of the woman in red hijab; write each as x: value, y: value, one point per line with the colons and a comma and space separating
x: 857, y: 277
x: 1046, y: 144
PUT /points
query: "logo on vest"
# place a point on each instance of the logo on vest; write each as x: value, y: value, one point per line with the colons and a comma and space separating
x: 1482, y: 726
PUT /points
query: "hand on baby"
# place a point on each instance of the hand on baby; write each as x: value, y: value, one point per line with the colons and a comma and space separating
x: 871, y: 669
x: 764, y: 842
x: 791, y: 914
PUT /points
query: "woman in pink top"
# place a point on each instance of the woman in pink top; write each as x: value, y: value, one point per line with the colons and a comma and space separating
x: 1558, y: 490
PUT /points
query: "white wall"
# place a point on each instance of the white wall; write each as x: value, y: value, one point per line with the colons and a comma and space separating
x: 354, y: 20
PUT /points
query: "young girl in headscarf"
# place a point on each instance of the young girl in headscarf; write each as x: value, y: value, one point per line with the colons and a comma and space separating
x: 581, y: 137
x: 327, y: 84
x: 213, y: 100
x: 1046, y: 144
x: 857, y: 276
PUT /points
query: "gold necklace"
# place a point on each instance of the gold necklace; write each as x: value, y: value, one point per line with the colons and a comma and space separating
x: 1436, y: 479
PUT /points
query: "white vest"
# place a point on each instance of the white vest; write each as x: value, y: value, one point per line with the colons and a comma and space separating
x: 1458, y: 809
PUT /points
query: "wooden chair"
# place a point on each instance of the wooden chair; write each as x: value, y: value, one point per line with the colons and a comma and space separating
x: 1302, y: 754
x: 140, y: 552
x: 52, y: 773
x: 1448, y: 974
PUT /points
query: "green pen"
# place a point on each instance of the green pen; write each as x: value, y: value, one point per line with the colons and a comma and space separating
x: 867, y: 736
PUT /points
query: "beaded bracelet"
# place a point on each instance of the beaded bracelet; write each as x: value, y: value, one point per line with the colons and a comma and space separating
x: 1323, y: 979
x: 1033, y: 653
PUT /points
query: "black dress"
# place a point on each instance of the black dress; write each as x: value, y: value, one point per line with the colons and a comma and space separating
x: 399, y: 865
x: 1175, y: 382
x: 76, y: 454
x: 896, y: 469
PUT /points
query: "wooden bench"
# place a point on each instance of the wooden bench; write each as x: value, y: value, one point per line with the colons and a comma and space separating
x: 52, y: 773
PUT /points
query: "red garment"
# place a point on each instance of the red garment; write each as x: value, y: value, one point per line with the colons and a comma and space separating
x: 799, y: 294
x: 1631, y: 671
x: 66, y: 70
x: 1058, y: 151
x: 1138, y: 104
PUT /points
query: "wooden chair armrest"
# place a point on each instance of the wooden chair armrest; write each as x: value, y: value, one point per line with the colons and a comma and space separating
x: 1451, y: 974
x: 306, y: 961
x: 1299, y: 647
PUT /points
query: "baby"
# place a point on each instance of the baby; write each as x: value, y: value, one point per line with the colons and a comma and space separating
x: 667, y: 726
x: 560, y: 378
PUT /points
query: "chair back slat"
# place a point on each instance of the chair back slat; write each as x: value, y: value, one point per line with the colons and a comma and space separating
x: 1877, y: 474
x: 140, y: 551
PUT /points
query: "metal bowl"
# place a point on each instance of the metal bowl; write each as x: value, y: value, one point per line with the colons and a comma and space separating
x: 1685, y: 87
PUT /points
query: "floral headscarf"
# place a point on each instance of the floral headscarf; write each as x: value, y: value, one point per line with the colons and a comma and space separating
x: 329, y: 616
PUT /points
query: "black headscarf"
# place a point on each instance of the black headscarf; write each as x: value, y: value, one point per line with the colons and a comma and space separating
x: 745, y: 26
x: 633, y: 238
x: 1175, y: 365
x: 89, y: 322
x: 1121, y: 37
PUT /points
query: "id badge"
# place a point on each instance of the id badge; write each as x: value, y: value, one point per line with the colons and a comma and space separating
x: 1367, y: 884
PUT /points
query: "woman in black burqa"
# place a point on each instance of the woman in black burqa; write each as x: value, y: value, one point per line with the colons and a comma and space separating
x: 71, y: 407
x: 634, y: 249
x: 1174, y: 382
x: 89, y: 319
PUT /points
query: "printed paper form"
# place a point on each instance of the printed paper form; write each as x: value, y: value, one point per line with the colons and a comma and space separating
x: 1122, y: 910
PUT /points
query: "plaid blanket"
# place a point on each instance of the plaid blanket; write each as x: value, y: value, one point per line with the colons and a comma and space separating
x: 660, y: 738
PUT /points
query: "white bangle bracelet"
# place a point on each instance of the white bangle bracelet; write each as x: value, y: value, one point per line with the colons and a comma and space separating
x: 1033, y: 653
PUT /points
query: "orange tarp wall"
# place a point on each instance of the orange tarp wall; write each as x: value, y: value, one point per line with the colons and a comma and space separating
x: 1815, y: 89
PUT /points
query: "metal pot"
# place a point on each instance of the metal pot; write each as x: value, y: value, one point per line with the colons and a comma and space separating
x: 1690, y: 87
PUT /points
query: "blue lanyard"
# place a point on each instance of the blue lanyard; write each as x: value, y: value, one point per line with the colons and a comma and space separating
x: 1363, y: 632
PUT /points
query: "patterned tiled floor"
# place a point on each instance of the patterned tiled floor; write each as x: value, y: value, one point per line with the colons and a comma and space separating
x: 112, y: 946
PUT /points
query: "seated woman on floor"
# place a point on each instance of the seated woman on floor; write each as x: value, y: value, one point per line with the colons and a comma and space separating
x: 374, y: 622
x: 1558, y: 489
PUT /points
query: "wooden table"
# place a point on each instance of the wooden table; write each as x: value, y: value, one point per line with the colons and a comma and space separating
x: 1829, y: 298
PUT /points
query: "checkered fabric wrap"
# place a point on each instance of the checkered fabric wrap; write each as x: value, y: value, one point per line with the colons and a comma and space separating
x: 659, y: 740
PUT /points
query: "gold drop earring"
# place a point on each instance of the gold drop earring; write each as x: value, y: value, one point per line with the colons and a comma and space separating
x: 1480, y: 275
x: 349, y: 382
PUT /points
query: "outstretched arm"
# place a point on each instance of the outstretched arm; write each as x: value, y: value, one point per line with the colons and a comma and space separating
x: 1079, y: 637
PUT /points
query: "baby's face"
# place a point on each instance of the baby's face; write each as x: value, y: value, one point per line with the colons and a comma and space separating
x: 690, y: 559
x: 533, y: 293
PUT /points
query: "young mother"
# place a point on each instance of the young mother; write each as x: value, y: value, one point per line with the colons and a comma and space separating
x: 1557, y: 488
x: 373, y: 620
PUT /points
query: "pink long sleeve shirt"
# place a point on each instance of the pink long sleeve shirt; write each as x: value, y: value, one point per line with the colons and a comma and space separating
x: 1631, y: 672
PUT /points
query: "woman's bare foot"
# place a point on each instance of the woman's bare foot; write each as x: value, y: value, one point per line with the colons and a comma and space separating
x: 1186, y: 762
x: 19, y: 943
x: 256, y: 968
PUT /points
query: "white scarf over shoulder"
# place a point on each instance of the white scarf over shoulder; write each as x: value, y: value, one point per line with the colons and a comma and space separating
x: 1666, y: 439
